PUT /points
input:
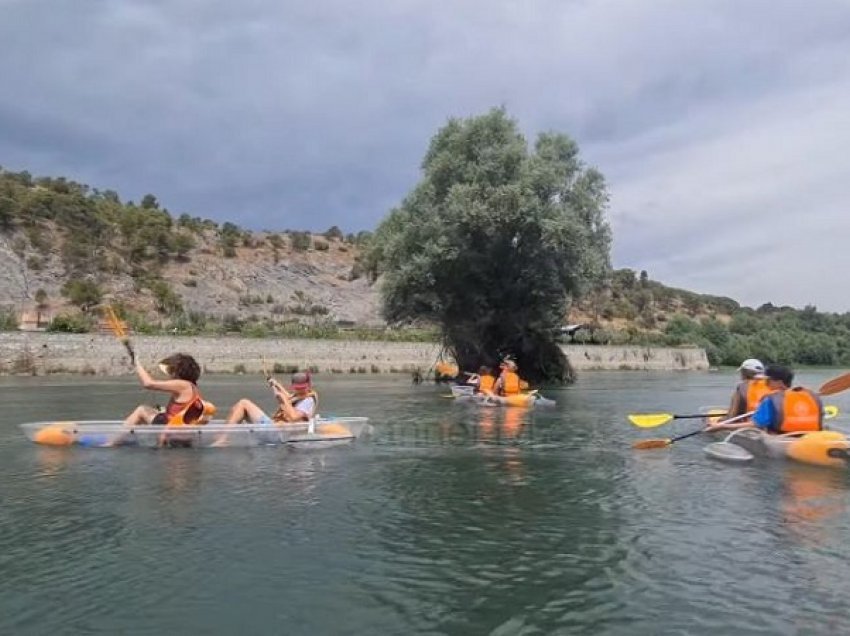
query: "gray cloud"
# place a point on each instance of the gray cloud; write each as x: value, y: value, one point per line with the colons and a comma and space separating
x: 720, y: 126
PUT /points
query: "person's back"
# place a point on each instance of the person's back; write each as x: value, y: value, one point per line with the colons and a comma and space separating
x: 750, y: 390
x: 508, y: 382
x: 786, y: 409
x: 486, y: 380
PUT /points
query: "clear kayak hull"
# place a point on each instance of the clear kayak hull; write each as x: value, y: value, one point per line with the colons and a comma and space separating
x: 108, y: 434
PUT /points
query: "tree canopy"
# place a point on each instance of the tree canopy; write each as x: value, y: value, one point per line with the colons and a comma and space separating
x: 493, y: 242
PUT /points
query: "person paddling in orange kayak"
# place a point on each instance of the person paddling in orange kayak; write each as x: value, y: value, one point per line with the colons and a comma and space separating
x: 185, y: 406
x: 784, y: 409
x: 508, y: 382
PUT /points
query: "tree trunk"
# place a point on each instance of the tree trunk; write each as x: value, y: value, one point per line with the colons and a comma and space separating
x: 539, y: 360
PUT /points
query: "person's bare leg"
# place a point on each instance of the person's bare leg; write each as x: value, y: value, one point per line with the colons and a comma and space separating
x: 142, y: 415
x: 245, y: 410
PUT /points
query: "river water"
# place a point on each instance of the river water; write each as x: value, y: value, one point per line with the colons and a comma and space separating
x: 451, y: 520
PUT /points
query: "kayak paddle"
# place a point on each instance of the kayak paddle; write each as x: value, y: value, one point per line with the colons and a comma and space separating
x: 831, y: 387
x: 651, y: 420
x: 117, y: 328
x: 836, y: 385
x: 664, y: 443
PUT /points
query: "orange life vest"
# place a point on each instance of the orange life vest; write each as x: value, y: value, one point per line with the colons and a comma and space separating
x: 189, y: 412
x: 752, y: 391
x: 486, y: 383
x: 510, y: 383
x: 797, y: 409
x: 279, y: 415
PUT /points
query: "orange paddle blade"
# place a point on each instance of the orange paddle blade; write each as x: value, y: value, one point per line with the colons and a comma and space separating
x: 115, y: 323
x: 651, y: 443
x: 836, y: 385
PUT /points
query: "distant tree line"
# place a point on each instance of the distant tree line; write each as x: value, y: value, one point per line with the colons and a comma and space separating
x: 655, y: 314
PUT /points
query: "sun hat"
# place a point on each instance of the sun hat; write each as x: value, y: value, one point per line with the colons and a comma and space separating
x: 751, y: 364
x: 300, y: 381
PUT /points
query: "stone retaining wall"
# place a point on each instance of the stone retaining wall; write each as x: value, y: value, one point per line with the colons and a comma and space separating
x: 44, y: 353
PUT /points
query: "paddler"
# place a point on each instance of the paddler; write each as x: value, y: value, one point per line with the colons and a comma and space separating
x: 784, y: 409
x: 486, y: 380
x: 750, y: 390
x: 298, y: 404
x: 508, y: 382
x: 185, y: 406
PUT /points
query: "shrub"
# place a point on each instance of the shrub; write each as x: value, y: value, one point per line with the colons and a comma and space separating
x: 82, y: 292
x: 8, y: 320
x: 275, y: 241
x: 70, y: 323
x: 334, y: 233
x: 255, y: 331
x: 301, y: 241
x: 167, y: 301
x: 321, y: 246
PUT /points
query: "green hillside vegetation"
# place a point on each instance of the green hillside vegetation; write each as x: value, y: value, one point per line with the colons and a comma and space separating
x: 97, y: 237
x: 632, y: 309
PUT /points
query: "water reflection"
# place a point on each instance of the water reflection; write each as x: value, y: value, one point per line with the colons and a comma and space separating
x: 810, y: 498
x: 452, y: 519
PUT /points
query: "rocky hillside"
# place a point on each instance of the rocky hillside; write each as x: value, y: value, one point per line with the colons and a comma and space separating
x: 65, y: 248
x: 257, y: 281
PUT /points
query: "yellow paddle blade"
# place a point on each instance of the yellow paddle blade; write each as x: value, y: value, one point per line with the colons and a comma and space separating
x: 830, y: 411
x: 651, y: 443
x: 650, y: 420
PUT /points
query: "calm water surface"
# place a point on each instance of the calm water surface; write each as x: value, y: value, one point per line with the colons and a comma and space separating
x: 451, y: 520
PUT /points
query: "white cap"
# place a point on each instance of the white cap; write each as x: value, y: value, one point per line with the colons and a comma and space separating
x: 751, y: 364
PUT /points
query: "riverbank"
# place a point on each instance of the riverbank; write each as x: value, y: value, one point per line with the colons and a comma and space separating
x: 50, y: 353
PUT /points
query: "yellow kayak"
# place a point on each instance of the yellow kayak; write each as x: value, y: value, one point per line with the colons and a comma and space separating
x: 818, y: 448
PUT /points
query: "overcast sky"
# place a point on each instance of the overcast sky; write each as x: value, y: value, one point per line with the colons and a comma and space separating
x: 722, y: 126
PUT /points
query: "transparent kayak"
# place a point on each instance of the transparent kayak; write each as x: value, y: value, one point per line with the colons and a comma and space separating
x: 113, y: 434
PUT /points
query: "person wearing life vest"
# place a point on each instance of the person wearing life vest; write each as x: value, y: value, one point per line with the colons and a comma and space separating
x: 508, y: 382
x: 483, y: 381
x: 750, y: 390
x: 785, y: 409
x: 298, y: 404
x: 185, y: 406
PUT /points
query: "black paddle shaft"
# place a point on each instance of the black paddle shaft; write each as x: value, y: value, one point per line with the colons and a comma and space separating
x: 696, y: 415
x: 691, y: 434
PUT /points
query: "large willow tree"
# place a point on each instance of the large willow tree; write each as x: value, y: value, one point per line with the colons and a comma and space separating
x: 493, y: 243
